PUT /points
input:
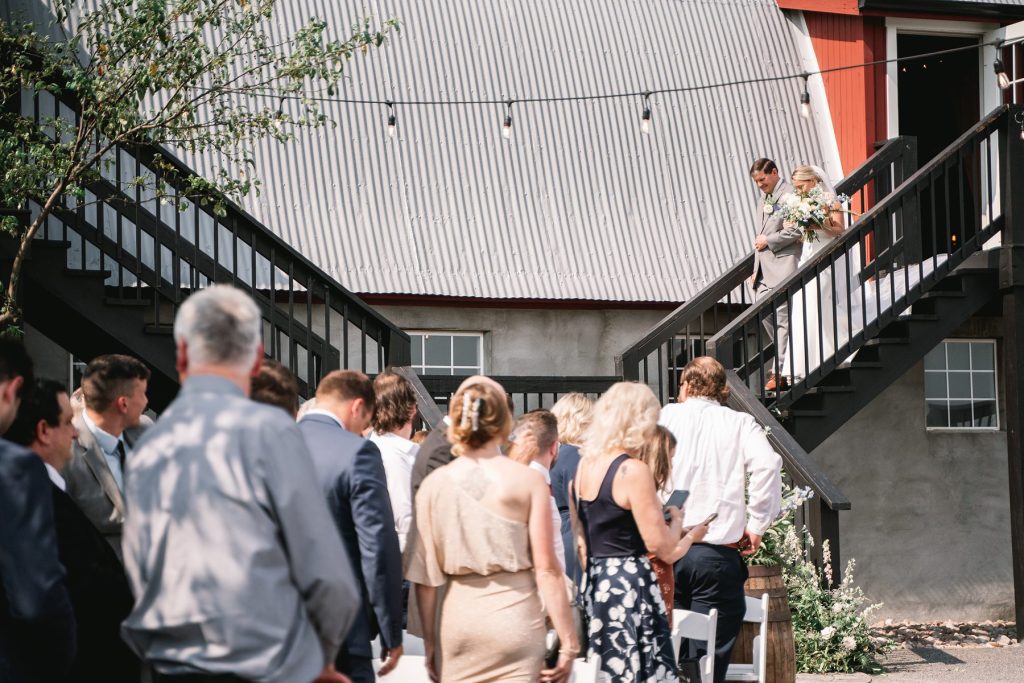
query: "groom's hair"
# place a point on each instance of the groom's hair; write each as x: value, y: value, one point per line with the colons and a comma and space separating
x: 705, y: 377
x: 763, y: 166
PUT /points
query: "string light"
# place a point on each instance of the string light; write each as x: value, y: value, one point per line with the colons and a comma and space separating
x: 506, y: 128
x: 1001, y: 78
x: 805, y: 100
x: 392, y: 122
x: 645, y: 119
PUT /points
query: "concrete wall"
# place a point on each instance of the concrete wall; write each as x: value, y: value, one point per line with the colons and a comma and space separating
x: 536, y: 341
x: 930, y: 521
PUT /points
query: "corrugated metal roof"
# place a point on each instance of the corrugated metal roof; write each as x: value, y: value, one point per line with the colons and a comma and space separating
x: 579, y: 204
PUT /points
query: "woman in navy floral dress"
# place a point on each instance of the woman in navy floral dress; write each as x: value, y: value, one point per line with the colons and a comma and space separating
x: 620, y: 520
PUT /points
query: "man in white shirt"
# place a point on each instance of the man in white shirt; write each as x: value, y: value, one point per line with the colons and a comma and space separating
x: 114, y: 387
x: 535, y: 444
x: 718, y: 449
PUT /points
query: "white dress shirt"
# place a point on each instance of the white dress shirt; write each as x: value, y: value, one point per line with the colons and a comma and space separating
x: 556, y: 519
x: 55, y: 477
x: 718, y: 447
x: 399, y: 455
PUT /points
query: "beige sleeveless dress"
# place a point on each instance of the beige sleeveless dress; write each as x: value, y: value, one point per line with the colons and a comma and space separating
x: 492, y: 623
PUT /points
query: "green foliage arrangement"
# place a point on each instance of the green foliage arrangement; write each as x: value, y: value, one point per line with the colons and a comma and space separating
x: 830, y: 625
x: 207, y: 76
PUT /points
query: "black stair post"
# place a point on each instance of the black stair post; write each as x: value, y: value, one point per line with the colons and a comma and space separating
x: 1011, y: 280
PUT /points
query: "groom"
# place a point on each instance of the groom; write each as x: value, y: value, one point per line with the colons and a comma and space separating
x: 776, y: 254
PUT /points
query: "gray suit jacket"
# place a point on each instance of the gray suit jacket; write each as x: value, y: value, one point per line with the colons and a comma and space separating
x: 779, y: 260
x: 91, y: 484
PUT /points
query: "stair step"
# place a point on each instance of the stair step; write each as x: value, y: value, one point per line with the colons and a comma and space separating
x: 797, y: 412
x: 878, y: 341
x: 89, y: 274
x: 55, y: 245
x: 162, y: 330
x: 128, y: 303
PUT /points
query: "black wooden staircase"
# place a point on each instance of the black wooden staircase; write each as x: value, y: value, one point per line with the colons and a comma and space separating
x: 107, y: 275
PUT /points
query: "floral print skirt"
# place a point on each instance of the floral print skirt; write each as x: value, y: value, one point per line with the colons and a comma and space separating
x: 628, y: 627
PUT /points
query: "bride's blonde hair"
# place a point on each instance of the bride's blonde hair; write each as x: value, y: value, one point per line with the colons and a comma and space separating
x: 804, y: 173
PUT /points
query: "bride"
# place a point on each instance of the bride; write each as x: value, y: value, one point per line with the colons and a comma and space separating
x: 815, y: 327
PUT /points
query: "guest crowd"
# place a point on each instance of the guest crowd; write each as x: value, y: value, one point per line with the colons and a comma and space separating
x: 241, y: 537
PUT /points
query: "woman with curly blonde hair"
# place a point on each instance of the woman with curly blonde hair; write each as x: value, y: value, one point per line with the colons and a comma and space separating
x: 573, y: 412
x: 620, y: 520
x: 484, y: 531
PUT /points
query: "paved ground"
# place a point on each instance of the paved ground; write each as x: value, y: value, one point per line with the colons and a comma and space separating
x: 933, y: 665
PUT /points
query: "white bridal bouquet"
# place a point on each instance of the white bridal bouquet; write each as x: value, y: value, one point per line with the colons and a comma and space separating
x: 811, y: 210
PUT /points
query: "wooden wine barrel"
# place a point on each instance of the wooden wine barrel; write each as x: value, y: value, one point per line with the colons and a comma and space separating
x: 779, y: 649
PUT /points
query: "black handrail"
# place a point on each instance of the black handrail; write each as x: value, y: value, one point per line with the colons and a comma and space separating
x: 892, y: 267
x: 159, y: 257
x: 894, y: 161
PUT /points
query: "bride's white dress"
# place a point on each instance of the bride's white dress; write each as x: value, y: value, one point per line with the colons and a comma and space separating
x: 819, y: 319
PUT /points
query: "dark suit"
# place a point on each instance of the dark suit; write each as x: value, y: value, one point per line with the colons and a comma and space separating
x: 435, y: 451
x: 352, y: 478
x: 99, y: 594
x: 563, y: 472
x: 37, y: 625
x: 91, y: 484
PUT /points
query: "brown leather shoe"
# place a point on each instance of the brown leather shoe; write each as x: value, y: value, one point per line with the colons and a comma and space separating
x: 775, y: 383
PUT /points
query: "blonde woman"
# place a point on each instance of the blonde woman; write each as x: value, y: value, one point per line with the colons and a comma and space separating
x: 816, y: 326
x: 620, y: 520
x: 573, y: 412
x: 484, y: 532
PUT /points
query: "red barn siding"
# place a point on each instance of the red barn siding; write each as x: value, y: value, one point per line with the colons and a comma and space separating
x: 856, y: 97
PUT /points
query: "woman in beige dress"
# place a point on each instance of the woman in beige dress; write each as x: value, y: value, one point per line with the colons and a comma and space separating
x: 484, y: 532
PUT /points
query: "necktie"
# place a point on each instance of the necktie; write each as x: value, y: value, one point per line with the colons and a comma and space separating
x: 119, y: 451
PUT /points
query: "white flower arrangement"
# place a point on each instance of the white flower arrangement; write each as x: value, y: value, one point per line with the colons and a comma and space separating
x: 811, y: 210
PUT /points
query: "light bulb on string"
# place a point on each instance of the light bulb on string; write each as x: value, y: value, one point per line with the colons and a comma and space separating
x: 645, y: 119
x: 805, y: 101
x: 1001, y: 78
x: 506, y: 128
x: 392, y: 121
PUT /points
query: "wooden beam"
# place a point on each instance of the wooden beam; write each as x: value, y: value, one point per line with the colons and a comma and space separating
x: 1012, y: 280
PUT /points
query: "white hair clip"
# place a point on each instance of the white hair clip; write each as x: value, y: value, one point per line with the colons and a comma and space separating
x: 476, y: 414
x: 466, y: 402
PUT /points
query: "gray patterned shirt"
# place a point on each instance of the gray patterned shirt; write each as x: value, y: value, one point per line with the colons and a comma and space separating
x: 233, y: 558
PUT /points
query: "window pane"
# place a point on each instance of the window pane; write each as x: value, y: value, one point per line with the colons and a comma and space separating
x: 984, y: 384
x: 466, y: 351
x: 960, y: 385
x: 936, y: 358
x: 417, y: 349
x: 937, y: 415
x: 986, y: 414
x: 960, y: 414
x: 983, y: 356
x: 935, y: 385
x: 959, y: 354
x: 465, y: 372
x: 438, y: 349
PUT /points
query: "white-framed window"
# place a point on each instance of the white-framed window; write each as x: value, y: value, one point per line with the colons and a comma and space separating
x: 960, y: 387
x: 436, y: 352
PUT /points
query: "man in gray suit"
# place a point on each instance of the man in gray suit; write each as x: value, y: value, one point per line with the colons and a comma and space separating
x: 114, y: 388
x: 776, y: 254
x: 237, y: 569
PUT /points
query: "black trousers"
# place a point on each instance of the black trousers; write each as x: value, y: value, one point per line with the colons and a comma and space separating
x: 196, y: 678
x: 359, y: 669
x: 712, y: 576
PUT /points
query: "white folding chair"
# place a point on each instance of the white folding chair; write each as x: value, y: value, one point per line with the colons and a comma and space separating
x: 585, y: 670
x: 695, y: 626
x: 757, y: 613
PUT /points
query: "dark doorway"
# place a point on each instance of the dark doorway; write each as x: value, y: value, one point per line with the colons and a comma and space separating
x: 940, y: 99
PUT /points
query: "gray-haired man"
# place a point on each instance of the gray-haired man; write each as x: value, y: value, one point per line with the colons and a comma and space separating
x: 232, y: 556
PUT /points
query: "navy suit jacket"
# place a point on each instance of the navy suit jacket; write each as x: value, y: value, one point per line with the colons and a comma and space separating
x: 37, y: 625
x: 352, y: 478
x: 563, y: 472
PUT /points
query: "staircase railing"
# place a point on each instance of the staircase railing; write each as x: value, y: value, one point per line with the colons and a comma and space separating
x: 157, y: 251
x: 658, y: 357
x: 939, y: 216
